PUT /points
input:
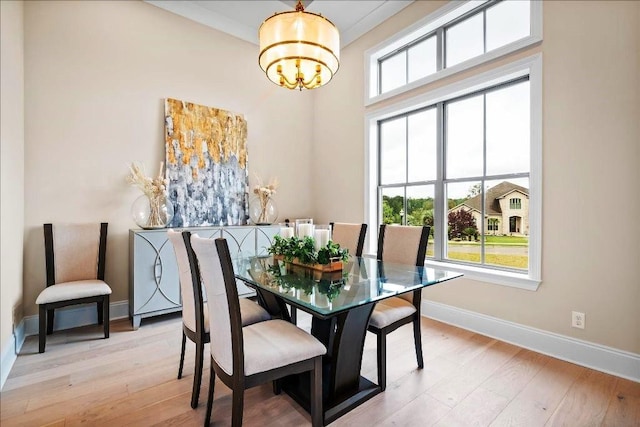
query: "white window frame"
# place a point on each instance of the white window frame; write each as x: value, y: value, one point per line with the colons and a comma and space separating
x: 531, y: 66
x: 427, y: 25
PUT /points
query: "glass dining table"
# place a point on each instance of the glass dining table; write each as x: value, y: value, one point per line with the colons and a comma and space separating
x: 341, y: 303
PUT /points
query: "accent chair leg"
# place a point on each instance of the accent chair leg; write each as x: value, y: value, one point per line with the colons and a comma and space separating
x: 212, y: 383
x: 42, y: 332
x: 317, y: 412
x: 184, y: 343
x: 417, y: 337
x: 100, y: 312
x: 294, y: 315
x: 105, y: 314
x: 50, y: 316
x: 382, y: 360
x: 277, y: 387
x: 197, y: 376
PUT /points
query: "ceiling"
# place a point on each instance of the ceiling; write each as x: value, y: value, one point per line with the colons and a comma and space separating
x: 242, y: 18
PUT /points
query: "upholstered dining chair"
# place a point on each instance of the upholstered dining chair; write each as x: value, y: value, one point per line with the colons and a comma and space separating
x: 349, y: 236
x: 195, y: 316
x: 244, y: 357
x: 399, y: 245
x: 75, y: 261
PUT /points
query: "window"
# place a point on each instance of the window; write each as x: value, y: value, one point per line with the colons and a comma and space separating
x: 461, y: 159
x: 456, y: 37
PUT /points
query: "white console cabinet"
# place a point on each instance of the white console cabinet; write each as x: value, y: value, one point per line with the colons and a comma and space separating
x: 154, y: 287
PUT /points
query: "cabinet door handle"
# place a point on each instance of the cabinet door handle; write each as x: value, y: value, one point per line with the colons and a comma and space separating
x: 157, y: 269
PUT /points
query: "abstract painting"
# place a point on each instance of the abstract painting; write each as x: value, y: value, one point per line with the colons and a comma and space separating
x: 206, y: 157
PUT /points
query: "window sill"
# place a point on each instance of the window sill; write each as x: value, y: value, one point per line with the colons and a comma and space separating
x: 488, y: 275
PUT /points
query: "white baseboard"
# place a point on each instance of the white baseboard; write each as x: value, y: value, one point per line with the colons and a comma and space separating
x: 10, y: 354
x: 595, y: 356
x: 65, y: 318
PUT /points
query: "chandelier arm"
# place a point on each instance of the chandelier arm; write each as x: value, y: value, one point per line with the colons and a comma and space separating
x: 285, y: 82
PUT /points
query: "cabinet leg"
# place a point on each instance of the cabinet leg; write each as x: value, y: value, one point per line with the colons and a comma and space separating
x: 135, y: 321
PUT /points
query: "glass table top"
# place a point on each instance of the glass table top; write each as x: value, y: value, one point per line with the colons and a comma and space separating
x: 361, y: 281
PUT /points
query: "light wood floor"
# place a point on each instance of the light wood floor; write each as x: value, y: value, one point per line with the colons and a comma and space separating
x: 468, y: 379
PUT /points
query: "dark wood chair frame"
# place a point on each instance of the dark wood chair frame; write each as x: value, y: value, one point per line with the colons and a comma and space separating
x: 381, y: 333
x: 47, y: 311
x: 199, y: 337
x: 359, y: 249
x: 238, y: 382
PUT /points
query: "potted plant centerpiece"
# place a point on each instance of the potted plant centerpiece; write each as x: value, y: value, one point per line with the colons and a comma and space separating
x: 302, y: 251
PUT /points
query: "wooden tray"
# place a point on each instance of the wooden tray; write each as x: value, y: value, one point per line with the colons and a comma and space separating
x: 332, y: 266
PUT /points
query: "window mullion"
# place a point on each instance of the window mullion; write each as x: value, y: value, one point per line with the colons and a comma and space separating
x: 379, y: 77
x: 406, y: 66
x: 403, y: 218
x: 483, y: 213
x: 439, y: 214
x: 484, y: 30
x: 440, y: 49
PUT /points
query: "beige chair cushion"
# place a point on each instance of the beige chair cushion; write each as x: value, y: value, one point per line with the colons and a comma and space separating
x: 276, y: 343
x: 389, y: 311
x: 346, y: 235
x: 219, y: 312
x: 73, y: 290
x: 75, y: 248
x: 186, y: 284
x: 251, y: 312
x: 400, y: 246
x: 401, y: 243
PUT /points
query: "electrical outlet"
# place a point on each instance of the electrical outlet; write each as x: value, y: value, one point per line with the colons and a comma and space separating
x: 577, y: 319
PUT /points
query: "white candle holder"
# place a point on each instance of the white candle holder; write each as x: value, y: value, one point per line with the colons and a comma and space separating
x: 321, y: 236
x: 286, y: 230
x: 304, y: 228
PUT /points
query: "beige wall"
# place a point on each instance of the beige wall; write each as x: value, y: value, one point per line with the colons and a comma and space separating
x: 591, y: 153
x: 11, y: 167
x: 96, y: 74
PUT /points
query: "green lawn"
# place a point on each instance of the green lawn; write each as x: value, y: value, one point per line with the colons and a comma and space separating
x: 507, y: 239
x: 512, y: 261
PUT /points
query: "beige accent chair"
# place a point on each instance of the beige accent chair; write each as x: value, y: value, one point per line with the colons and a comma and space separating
x: 75, y: 263
x: 195, y: 316
x: 244, y: 357
x: 399, y: 245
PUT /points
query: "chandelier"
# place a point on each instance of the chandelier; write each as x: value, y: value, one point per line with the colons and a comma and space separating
x: 299, y: 49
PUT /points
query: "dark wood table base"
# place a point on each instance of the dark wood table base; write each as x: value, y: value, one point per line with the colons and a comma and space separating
x: 343, y: 334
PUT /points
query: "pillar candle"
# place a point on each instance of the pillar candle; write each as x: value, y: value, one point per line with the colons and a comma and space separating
x: 305, y: 230
x: 321, y: 238
x: 286, y: 232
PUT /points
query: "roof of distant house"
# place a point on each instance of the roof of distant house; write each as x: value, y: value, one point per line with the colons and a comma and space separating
x: 492, y: 197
